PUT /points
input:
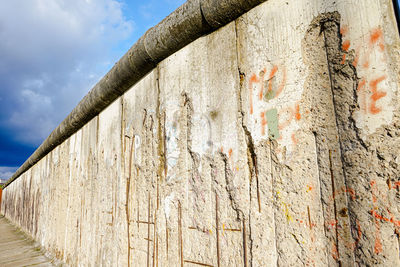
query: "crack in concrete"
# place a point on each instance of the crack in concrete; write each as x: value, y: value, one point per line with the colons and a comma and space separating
x: 230, y: 188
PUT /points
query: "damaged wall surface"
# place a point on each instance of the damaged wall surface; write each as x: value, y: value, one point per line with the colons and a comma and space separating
x: 272, y: 141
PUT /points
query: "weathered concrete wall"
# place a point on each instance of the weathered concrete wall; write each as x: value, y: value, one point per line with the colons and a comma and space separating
x: 272, y: 141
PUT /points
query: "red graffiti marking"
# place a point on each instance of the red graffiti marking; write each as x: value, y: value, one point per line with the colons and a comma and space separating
x: 297, y: 112
x: 375, y: 39
x: 346, y: 45
x: 269, y: 88
x: 344, y: 29
x: 253, y: 79
x: 292, y: 112
x: 367, y: 90
x: 375, y: 36
x: 309, y: 188
x: 294, y: 139
x: 263, y: 123
x: 376, y: 95
x: 375, y: 199
x: 270, y: 93
x: 230, y: 152
x: 382, y: 218
x: 285, y: 123
x: 343, y: 59
x: 397, y: 184
x: 379, y: 218
x: 272, y: 75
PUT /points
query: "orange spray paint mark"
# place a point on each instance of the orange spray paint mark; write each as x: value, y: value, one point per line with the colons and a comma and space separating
x: 230, y: 152
x: 344, y: 29
x: 392, y: 220
x: 286, y: 122
x: 263, y: 123
x: 366, y: 63
x: 270, y: 77
x: 397, y: 184
x: 343, y: 59
x: 272, y: 73
x: 297, y: 114
x: 375, y: 35
x: 294, y: 139
x: 346, y: 45
x: 361, y: 84
x: 282, y: 84
x: 376, y: 95
x: 382, y: 218
x: 253, y: 79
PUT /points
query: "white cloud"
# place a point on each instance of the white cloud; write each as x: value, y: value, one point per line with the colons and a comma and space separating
x: 7, y: 172
x: 52, y: 52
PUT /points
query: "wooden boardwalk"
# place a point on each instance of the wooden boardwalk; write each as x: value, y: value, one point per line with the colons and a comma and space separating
x: 17, y: 250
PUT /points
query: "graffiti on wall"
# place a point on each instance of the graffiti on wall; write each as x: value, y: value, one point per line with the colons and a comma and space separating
x: 269, y: 116
x: 374, y: 96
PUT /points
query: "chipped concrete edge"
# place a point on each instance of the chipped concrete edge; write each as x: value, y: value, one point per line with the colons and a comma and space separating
x: 187, y: 23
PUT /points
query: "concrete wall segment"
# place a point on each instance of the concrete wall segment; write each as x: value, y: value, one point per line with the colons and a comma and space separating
x: 249, y: 146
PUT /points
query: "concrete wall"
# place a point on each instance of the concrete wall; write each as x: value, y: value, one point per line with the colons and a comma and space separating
x: 271, y: 142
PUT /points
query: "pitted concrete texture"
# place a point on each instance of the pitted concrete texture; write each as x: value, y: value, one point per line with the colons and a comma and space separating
x: 272, y: 141
x: 16, y: 250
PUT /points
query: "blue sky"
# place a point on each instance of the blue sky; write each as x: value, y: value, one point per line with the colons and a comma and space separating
x: 51, y: 54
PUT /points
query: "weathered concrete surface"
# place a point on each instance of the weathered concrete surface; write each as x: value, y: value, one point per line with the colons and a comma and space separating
x: 17, y: 250
x: 272, y: 141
